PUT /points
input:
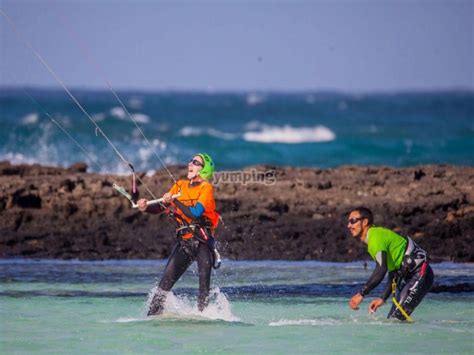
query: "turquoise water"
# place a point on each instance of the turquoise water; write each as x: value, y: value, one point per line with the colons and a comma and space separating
x: 241, y: 129
x: 257, y: 307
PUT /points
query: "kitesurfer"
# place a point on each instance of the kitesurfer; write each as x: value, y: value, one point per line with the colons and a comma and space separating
x: 409, y: 271
x: 196, y: 220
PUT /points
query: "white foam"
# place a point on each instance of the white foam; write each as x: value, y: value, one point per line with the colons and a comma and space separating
x: 190, y: 131
x: 41, y: 152
x: 331, y: 321
x: 313, y: 322
x: 130, y: 320
x: 219, y: 307
x: 145, y: 154
x: 64, y: 120
x: 31, y: 118
x: 141, y: 118
x: 118, y: 112
x: 254, y: 99
x: 290, y: 135
x: 18, y: 158
x: 98, y: 116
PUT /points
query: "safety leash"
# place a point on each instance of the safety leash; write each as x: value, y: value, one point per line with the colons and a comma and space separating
x: 397, y: 305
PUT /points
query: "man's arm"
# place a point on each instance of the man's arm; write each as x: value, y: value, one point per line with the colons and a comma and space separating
x: 378, y: 302
x: 374, y: 280
x: 388, y: 289
x: 378, y: 274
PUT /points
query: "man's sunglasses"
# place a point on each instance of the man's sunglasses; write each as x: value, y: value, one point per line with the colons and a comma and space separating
x: 355, y: 220
x: 196, y: 162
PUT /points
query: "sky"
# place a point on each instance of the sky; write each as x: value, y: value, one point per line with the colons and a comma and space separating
x: 349, y: 46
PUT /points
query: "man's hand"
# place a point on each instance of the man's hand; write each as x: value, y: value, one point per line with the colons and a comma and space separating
x: 375, y: 304
x: 142, y: 204
x: 355, y: 301
x: 167, y: 197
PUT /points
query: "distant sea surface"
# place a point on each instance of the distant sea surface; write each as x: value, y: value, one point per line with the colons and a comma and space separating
x: 240, y: 129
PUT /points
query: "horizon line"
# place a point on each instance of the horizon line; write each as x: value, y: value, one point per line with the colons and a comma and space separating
x: 454, y: 89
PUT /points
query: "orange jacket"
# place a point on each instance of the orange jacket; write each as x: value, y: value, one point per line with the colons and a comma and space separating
x: 190, y: 195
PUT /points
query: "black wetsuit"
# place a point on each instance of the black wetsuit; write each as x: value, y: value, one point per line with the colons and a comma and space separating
x: 411, y: 289
x: 182, y: 256
x: 184, y: 253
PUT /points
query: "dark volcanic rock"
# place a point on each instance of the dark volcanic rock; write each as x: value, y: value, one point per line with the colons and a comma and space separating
x: 67, y: 213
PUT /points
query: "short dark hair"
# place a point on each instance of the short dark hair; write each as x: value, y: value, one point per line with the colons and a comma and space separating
x: 365, y: 213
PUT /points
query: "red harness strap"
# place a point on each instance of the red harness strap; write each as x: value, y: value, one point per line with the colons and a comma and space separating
x: 423, y: 268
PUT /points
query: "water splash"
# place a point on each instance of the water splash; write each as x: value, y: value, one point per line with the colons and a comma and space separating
x: 183, y: 306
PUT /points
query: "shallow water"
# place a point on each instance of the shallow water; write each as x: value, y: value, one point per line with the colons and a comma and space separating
x: 257, y: 307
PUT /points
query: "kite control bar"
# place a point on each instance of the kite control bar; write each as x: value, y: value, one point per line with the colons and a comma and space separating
x: 125, y: 194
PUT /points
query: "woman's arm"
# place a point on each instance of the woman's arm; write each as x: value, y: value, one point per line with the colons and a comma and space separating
x: 190, y: 212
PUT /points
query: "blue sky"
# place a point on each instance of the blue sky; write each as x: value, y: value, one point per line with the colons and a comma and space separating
x: 352, y: 45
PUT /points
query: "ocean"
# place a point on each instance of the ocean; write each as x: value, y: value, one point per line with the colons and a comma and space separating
x: 239, y: 129
x: 277, y: 307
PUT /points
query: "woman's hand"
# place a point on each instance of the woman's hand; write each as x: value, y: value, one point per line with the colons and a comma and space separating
x: 375, y: 304
x: 142, y: 204
x: 167, y: 197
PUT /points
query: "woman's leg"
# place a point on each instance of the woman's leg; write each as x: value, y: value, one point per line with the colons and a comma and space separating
x: 204, y: 259
x: 178, y: 263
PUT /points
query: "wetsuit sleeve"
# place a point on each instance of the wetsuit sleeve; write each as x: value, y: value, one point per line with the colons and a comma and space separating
x: 190, y: 212
x: 378, y: 274
x: 154, y: 209
x: 388, y: 289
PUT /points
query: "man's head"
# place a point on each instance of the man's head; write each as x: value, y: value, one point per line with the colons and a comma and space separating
x: 359, y: 221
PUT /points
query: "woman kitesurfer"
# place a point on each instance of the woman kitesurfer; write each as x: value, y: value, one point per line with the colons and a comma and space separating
x: 196, y: 218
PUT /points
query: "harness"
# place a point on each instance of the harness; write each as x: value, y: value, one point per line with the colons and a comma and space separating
x: 414, y: 258
x: 200, y: 231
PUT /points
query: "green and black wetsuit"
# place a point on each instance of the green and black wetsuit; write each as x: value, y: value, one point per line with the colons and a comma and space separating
x: 405, y: 262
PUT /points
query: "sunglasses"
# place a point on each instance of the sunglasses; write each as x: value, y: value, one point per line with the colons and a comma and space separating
x: 355, y: 220
x: 196, y: 162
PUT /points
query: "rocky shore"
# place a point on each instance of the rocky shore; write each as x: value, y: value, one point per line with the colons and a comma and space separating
x: 292, y: 214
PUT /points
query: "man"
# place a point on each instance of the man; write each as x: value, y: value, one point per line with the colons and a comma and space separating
x: 405, y: 261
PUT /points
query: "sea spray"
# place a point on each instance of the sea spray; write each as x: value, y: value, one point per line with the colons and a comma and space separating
x: 185, y: 306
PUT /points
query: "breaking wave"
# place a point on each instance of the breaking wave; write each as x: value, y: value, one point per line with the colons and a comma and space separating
x: 289, y: 135
x: 190, y: 131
